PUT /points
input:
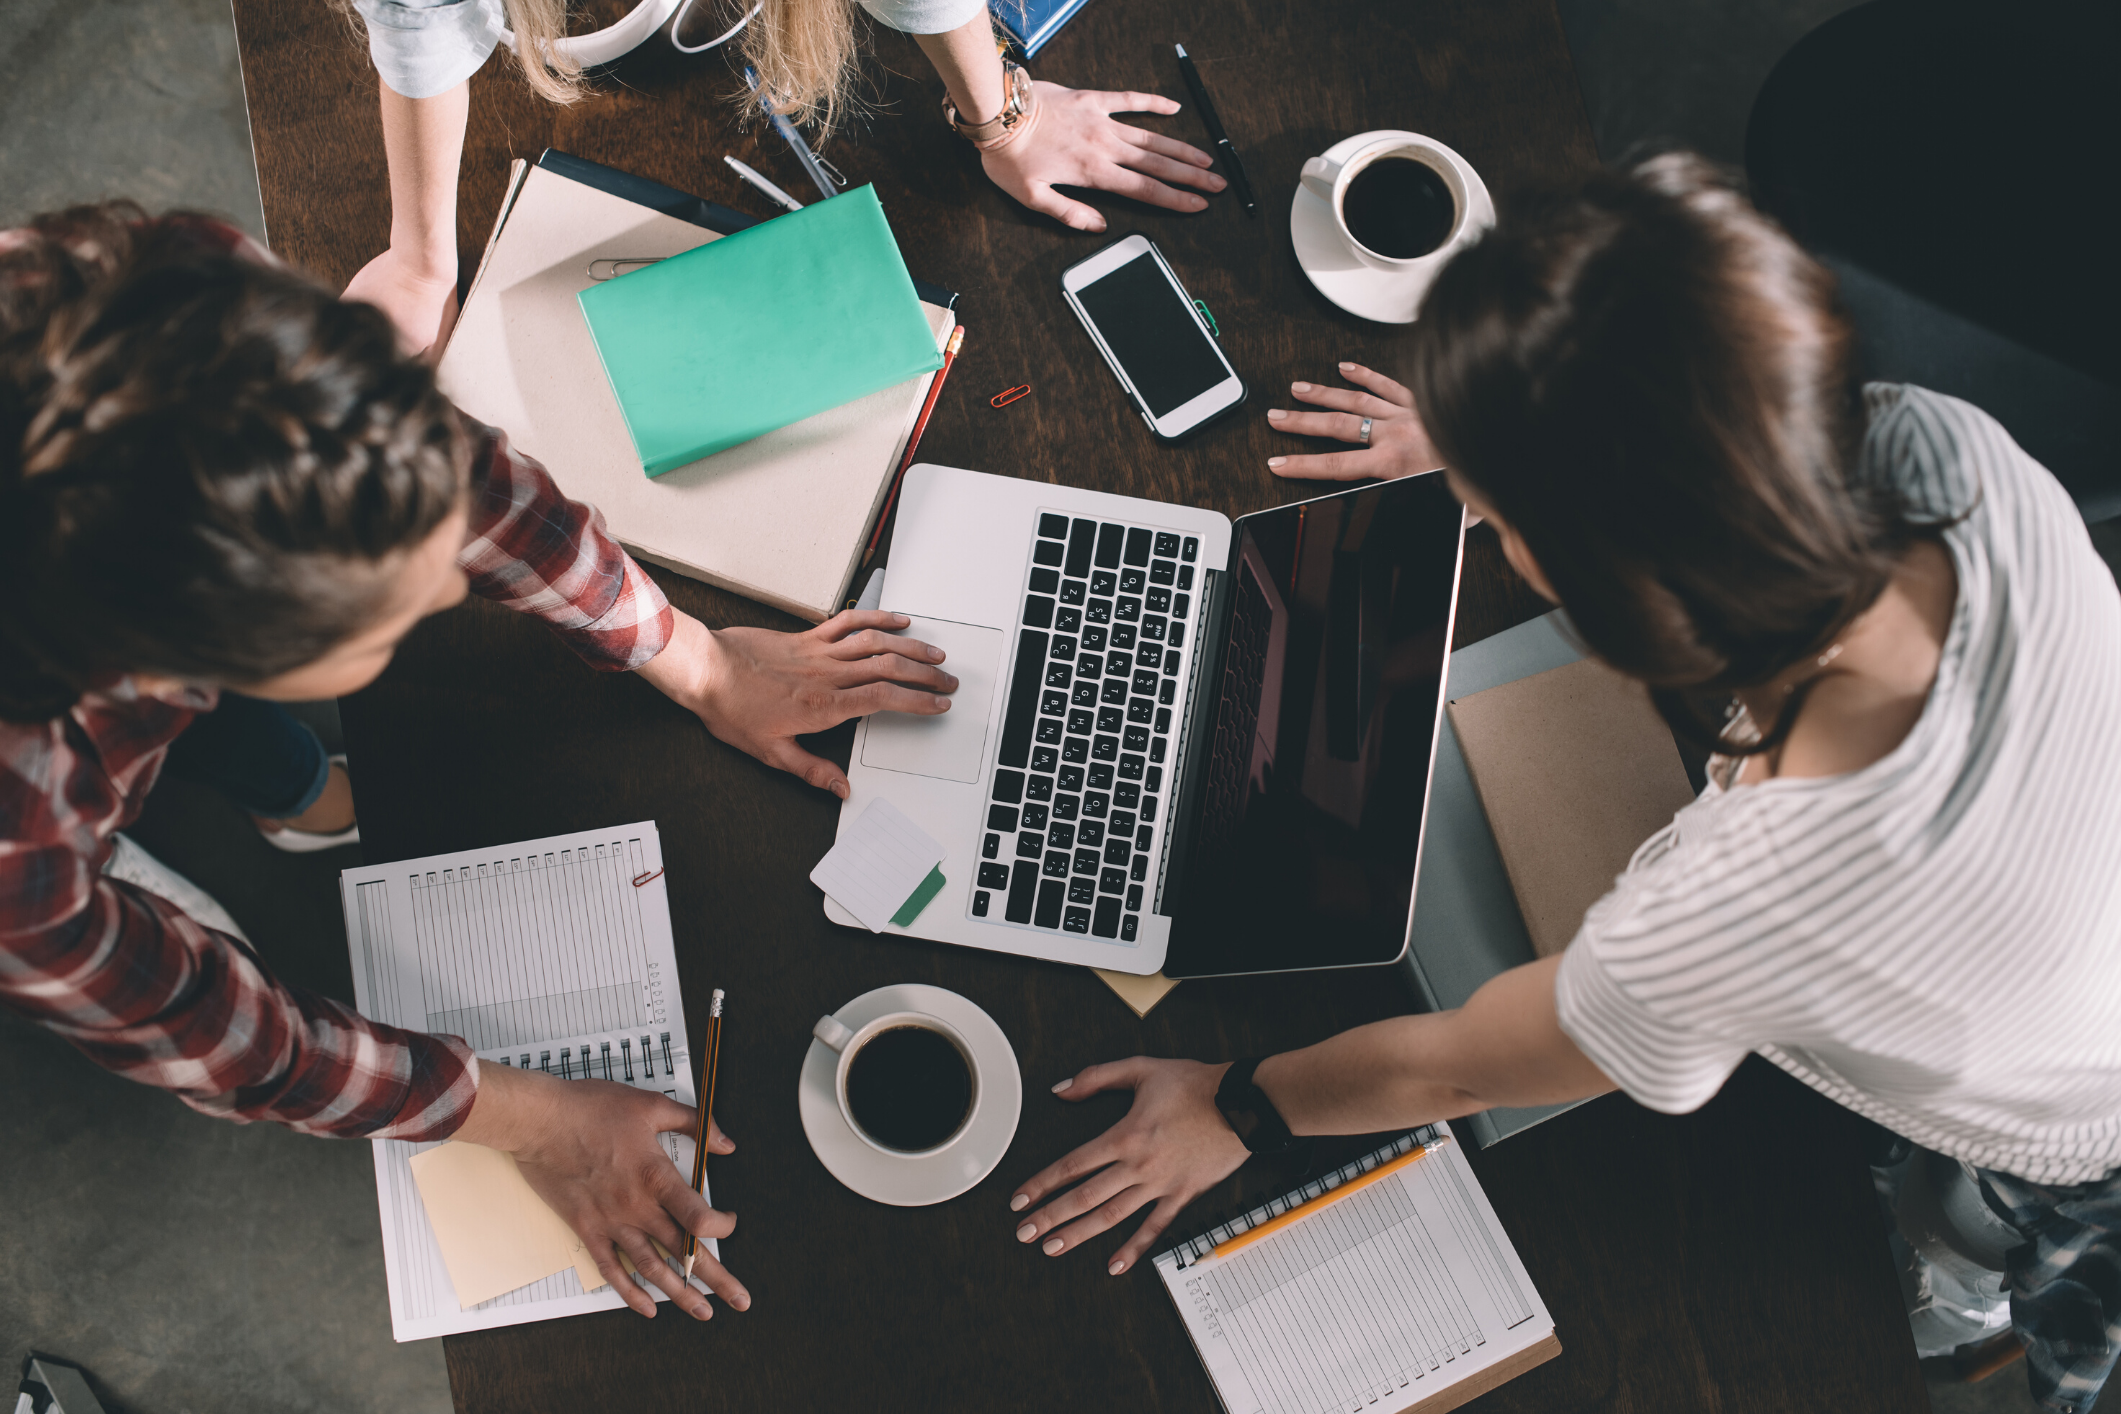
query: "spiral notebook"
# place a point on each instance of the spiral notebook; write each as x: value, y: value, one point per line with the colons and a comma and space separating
x: 553, y: 954
x: 1403, y: 1294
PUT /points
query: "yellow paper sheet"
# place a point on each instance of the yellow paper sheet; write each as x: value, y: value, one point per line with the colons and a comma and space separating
x: 1140, y: 993
x: 495, y: 1233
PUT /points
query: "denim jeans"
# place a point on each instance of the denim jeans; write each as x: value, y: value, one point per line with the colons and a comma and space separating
x: 256, y: 753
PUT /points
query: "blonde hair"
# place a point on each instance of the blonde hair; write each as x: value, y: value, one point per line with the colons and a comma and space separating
x: 807, y: 55
x: 552, y: 75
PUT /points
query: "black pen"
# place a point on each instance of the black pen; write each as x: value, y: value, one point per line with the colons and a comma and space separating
x: 1215, y: 129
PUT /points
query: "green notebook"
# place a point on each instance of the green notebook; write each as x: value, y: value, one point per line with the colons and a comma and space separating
x: 749, y: 333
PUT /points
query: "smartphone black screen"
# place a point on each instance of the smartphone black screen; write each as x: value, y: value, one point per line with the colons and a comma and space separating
x: 1151, y: 331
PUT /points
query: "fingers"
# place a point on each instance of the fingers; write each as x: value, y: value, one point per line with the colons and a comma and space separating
x: 1098, y: 1188
x: 874, y: 642
x: 1171, y: 169
x: 852, y: 620
x: 1185, y: 152
x: 1345, y: 426
x: 1122, y: 181
x: 718, y: 1142
x: 1096, y: 1079
x: 1135, y: 103
x: 890, y: 697
x: 718, y: 1280
x: 1345, y: 400
x: 659, y: 1273
x: 783, y: 754
x: 889, y: 667
x: 1377, y: 383
x: 1054, y: 1177
x: 1160, y: 1217
x: 1099, y: 1219
x: 616, y: 1277
x: 1072, y: 214
x: 1328, y: 466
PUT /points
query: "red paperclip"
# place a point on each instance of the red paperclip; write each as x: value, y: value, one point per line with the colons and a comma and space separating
x: 1002, y: 400
x: 650, y: 877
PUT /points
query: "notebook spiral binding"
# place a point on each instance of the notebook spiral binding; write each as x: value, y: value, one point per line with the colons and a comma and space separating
x: 1192, y: 1249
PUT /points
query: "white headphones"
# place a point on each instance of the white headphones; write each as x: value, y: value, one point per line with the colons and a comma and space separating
x: 649, y: 16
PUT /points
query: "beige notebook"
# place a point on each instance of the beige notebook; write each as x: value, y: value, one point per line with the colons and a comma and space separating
x: 782, y: 519
x: 1575, y: 770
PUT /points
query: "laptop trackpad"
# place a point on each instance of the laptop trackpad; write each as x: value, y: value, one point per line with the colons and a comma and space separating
x: 951, y: 746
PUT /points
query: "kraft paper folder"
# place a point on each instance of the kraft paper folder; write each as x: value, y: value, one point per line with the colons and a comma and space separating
x: 782, y: 518
x: 1470, y: 920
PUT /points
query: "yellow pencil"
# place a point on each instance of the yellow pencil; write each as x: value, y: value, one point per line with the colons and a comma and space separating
x: 699, y: 1153
x: 1249, y: 1235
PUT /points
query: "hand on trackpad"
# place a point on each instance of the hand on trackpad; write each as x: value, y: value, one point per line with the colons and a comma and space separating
x: 953, y: 745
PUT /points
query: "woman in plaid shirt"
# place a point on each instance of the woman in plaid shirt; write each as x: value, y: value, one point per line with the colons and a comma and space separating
x: 214, y: 475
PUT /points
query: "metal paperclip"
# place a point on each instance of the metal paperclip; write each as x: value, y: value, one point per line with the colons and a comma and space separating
x: 832, y: 171
x: 649, y: 877
x: 612, y: 267
x: 1002, y: 400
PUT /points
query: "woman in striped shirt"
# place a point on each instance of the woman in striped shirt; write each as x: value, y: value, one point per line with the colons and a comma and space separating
x: 1900, y: 884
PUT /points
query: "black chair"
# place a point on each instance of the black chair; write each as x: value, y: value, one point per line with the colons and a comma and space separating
x: 1953, y: 162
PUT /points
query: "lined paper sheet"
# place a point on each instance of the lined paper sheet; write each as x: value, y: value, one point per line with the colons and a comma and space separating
x: 542, y: 955
x: 1379, y: 1302
x: 877, y: 864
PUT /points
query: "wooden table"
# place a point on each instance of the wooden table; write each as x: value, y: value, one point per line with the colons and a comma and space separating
x: 1729, y: 1260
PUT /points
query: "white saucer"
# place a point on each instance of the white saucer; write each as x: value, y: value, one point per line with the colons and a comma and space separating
x: 1389, y: 296
x: 911, y: 1182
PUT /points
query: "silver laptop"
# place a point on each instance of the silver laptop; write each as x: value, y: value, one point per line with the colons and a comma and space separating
x: 1178, y: 744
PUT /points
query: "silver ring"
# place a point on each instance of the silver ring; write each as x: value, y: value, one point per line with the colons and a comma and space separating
x: 1364, y: 435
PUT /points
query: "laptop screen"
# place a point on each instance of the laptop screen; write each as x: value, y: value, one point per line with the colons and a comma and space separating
x: 1307, y: 759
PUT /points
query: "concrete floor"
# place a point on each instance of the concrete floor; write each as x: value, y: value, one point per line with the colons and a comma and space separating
x: 193, y: 1265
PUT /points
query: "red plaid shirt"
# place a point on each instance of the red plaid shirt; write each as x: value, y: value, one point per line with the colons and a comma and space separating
x: 148, y: 992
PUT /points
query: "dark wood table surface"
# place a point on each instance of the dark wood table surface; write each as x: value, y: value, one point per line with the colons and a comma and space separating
x: 1730, y: 1260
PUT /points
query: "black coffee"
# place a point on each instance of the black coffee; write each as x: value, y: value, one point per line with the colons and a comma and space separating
x: 909, y: 1088
x: 1399, y: 207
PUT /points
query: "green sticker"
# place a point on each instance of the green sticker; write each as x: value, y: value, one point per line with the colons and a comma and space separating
x: 930, y: 887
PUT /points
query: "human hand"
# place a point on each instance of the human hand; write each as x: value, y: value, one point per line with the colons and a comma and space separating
x: 758, y: 690
x: 421, y: 300
x: 1399, y: 444
x: 589, y: 1149
x: 1172, y: 1146
x: 1077, y: 143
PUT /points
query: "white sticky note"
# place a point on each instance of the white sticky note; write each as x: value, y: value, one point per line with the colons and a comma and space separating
x: 877, y: 864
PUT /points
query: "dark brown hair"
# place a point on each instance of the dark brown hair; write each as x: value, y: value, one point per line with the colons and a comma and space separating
x: 1655, y: 387
x: 204, y: 459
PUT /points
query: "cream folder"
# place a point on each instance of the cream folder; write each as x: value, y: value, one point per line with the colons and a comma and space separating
x: 782, y: 519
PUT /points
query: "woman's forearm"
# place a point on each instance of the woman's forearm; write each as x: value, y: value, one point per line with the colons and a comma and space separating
x: 423, y: 142
x: 1505, y: 1046
x: 970, y: 67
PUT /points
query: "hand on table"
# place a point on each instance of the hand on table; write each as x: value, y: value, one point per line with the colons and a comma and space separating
x: 589, y: 1149
x: 759, y: 690
x: 1172, y: 1146
x: 1399, y: 445
x: 1077, y: 143
x: 422, y: 304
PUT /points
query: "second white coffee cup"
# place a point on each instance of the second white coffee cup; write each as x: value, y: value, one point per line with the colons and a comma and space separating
x: 1330, y: 179
x: 849, y: 1043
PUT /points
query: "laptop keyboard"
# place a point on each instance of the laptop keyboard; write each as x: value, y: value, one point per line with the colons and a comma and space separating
x: 1077, y: 793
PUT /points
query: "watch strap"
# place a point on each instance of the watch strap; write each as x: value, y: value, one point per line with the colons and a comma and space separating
x: 1250, y: 1114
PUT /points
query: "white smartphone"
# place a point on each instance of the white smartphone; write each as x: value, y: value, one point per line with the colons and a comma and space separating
x: 1145, y: 324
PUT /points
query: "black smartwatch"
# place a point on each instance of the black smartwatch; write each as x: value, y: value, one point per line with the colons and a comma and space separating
x: 1248, y: 1111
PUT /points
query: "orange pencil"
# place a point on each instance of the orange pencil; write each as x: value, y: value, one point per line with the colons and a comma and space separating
x: 957, y: 341
x: 699, y: 1153
x: 1250, y: 1235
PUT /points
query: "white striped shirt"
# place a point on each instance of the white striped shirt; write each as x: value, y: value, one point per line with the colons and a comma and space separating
x: 1933, y: 941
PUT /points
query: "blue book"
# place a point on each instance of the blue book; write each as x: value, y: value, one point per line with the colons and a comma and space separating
x: 1032, y: 22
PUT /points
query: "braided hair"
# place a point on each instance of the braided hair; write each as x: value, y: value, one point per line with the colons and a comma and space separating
x: 207, y: 462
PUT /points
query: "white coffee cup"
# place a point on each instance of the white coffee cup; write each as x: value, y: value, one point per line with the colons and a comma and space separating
x: 835, y: 1035
x: 1328, y: 179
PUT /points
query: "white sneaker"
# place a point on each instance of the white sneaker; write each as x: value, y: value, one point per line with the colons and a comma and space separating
x: 309, y: 841
x: 133, y: 865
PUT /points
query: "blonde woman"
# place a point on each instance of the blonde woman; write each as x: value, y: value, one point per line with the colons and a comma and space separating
x: 1032, y: 136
